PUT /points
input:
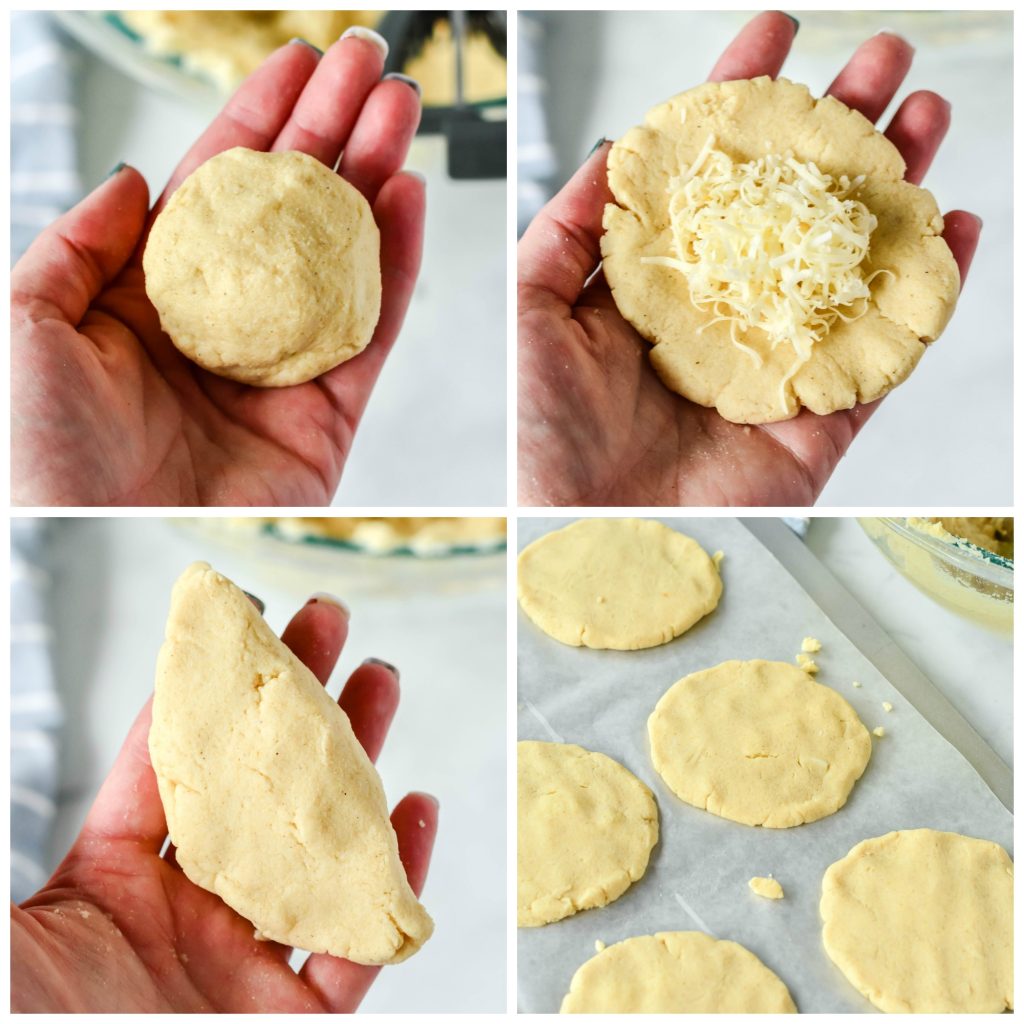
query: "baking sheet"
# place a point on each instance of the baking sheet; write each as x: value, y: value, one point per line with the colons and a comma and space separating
x: 698, y: 875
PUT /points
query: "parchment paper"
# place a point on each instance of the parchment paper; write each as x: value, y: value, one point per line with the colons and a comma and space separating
x: 698, y: 875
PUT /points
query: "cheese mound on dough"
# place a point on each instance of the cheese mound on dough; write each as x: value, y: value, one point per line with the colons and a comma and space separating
x: 774, y: 243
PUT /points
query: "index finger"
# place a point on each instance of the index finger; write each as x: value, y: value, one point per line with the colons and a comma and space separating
x: 255, y: 114
x: 761, y: 48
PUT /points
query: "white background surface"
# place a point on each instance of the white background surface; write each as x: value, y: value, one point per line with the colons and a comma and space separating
x: 944, y: 437
x: 434, y: 431
x: 112, y: 584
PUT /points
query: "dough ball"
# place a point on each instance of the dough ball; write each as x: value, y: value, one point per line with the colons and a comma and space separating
x: 922, y: 922
x: 676, y: 972
x: 695, y: 355
x: 620, y: 584
x: 265, y: 268
x: 586, y: 830
x: 758, y: 742
x: 271, y: 801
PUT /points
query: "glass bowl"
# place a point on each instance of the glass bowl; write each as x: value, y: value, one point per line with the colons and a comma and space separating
x: 971, y: 581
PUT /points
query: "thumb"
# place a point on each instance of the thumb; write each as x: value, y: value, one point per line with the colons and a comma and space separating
x: 80, y: 253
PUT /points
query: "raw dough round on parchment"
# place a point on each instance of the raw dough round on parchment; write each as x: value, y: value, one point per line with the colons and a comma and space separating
x: 758, y: 742
x: 676, y: 972
x: 921, y: 921
x: 586, y: 830
x: 907, y: 307
x: 265, y: 268
x: 619, y: 584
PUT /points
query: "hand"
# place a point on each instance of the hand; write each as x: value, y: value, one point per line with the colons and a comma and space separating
x: 596, y: 425
x: 105, y: 411
x: 120, y: 929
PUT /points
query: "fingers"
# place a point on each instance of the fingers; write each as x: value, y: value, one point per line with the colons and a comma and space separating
x: 562, y: 246
x: 381, y: 137
x: 81, y: 252
x: 917, y: 130
x: 761, y: 48
x: 317, y: 633
x: 370, y: 699
x: 326, y: 111
x: 871, y: 77
x: 128, y: 805
x: 399, y: 211
x: 341, y: 984
x: 962, y: 231
x: 255, y: 115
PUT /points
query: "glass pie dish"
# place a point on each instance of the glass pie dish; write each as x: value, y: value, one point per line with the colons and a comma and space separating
x: 970, y: 580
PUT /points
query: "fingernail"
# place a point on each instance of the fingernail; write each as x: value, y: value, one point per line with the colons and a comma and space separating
x: 596, y: 146
x: 383, y: 664
x: 260, y: 606
x: 358, y: 32
x: 306, y: 42
x: 397, y: 76
x: 325, y: 598
x: 117, y: 168
x: 796, y: 24
x: 981, y: 223
x: 428, y: 796
x: 417, y: 175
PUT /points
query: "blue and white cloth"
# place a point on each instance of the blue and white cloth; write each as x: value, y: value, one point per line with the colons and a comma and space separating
x: 36, y: 715
x: 44, y: 151
x: 535, y: 157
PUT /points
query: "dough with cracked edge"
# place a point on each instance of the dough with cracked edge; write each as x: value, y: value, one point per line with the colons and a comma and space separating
x: 265, y: 268
x: 758, y: 742
x: 676, y: 972
x: 921, y: 921
x: 854, y: 362
x: 270, y: 800
x: 587, y: 826
x: 619, y: 584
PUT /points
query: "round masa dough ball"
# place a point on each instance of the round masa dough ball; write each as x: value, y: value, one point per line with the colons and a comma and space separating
x: 586, y: 830
x: 676, y: 972
x: 758, y: 742
x: 747, y: 377
x: 265, y: 268
x: 921, y: 921
x: 619, y: 584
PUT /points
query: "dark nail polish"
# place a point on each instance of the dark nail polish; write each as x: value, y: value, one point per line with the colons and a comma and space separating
x: 596, y: 146
x: 796, y: 24
x: 306, y: 42
x: 383, y: 664
x: 398, y: 77
x: 115, y: 169
x: 260, y: 606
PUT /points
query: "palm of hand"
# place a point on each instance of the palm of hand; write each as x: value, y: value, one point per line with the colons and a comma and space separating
x: 149, y: 427
x: 622, y: 438
x: 119, y: 927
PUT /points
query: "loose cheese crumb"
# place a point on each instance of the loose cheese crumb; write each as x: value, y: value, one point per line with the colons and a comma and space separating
x: 769, y: 888
x: 599, y: 946
x: 886, y: 706
x: 810, y: 645
x: 856, y: 685
x: 879, y: 731
x: 774, y: 244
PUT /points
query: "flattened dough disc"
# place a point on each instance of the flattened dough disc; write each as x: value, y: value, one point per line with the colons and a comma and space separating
x: 586, y: 830
x: 270, y: 800
x: 758, y: 742
x: 921, y: 921
x: 620, y: 584
x: 676, y: 972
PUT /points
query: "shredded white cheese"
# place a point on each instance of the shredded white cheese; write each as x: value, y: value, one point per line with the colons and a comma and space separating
x: 773, y: 244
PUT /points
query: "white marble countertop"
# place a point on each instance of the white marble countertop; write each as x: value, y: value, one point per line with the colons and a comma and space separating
x: 944, y: 437
x: 971, y: 666
x: 434, y: 431
x: 112, y: 583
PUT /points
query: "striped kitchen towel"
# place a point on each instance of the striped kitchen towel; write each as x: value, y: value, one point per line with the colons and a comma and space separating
x: 36, y: 715
x: 44, y: 153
